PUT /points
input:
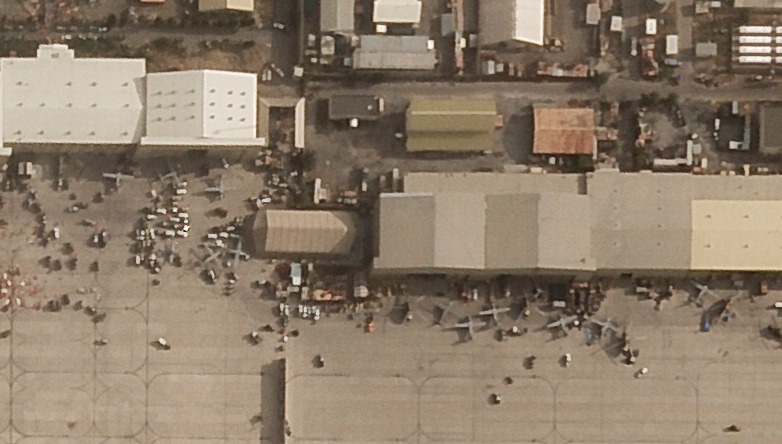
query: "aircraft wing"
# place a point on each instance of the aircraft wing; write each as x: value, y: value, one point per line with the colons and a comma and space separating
x: 109, y: 175
x: 478, y: 324
x: 555, y: 324
x: 503, y: 310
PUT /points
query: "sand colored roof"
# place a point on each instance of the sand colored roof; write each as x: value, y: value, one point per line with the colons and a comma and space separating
x: 231, y: 5
x: 305, y: 232
x: 466, y: 231
x: 644, y: 221
x: 451, y: 125
x: 493, y: 183
x: 736, y: 235
x: 564, y: 131
x: 758, y: 4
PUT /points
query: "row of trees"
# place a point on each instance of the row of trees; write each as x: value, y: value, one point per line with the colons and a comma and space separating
x: 188, y: 21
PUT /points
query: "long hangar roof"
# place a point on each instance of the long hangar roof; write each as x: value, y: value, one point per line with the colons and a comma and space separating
x: 57, y: 98
x: 685, y: 222
x: 476, y: 229
x: 607, y: 221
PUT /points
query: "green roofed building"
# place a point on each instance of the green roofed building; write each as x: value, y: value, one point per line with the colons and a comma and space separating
x: 459, y: 125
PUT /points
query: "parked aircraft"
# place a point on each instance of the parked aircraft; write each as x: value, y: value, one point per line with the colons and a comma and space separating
x: 237, y: 252
x: 117, y: 178
x: 470, y: 325
x: 605, y: 326
x: 212, y: 256
x: 494, y: 312
x: 445, y: 310
x: 702, y: 290
x: 217, y: 189
x: 563, y: 323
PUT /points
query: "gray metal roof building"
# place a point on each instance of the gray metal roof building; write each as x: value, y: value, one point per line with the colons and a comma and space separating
x: 355, y: 106
x: 477, y: 232
x: 770, y: 138
x: 394, y: 53
x: 337, y: 16
x: 705, y: 49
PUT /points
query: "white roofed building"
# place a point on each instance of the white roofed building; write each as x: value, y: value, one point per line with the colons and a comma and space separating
x: 512, y: 20
x: 202, y: 107
x: 5, y: 152
x: 55, y: 98
x: 397, y: 11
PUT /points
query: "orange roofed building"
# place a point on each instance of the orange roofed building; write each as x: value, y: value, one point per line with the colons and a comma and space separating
x: 564, y: 131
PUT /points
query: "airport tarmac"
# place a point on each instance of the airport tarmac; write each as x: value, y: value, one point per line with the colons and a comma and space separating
x: 403, y: 383
x: 58, y: 386
x: 415, y: 383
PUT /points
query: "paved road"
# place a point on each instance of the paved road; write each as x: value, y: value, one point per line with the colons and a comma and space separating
x: 615, y: 89
x: 685, y: 10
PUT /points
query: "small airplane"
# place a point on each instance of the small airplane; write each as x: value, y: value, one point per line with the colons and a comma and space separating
x: 171, y: 174
x: 117, y: 178
x: 605, y: 326
x: 470, y: 325
x: 494, y: 312
x: 563, y: 323
x: 211, y: 257
x: 217, y: 189
x: 237, y: 252
x: 703, y: 290
x: 445, y: 310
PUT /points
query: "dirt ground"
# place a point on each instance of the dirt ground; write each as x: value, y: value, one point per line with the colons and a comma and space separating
x: 245, y: 60
x: 17, y: 10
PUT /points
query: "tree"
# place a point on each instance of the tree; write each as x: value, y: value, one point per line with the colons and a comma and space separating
x: 123, y: 17
x: 111, y: 21
x: 601, y: 78
x: 309, y: 160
